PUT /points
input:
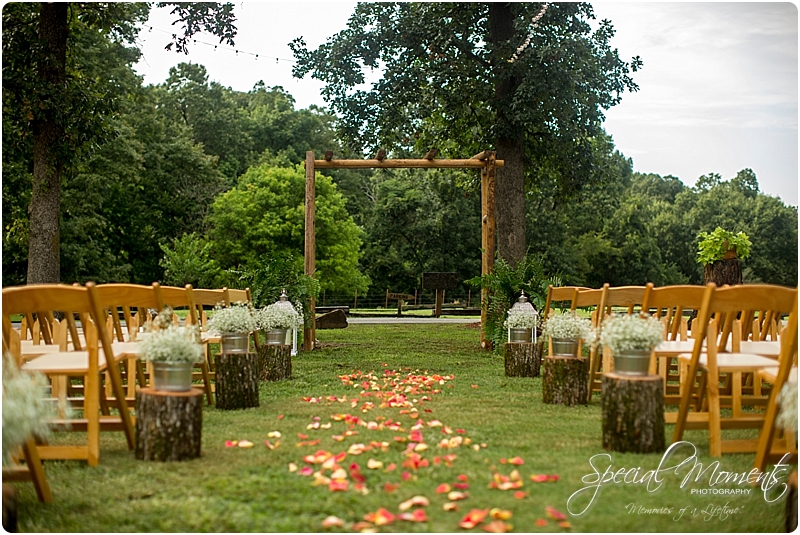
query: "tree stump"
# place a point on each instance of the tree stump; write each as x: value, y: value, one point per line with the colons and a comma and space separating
x: 274, y: 362
x: 522, y: 359
x: 9, y: 509
x: 168, y: 424
x: 633, y: 413
x: 565, y: 380
x: 725, y: 271
x: 236, y: 380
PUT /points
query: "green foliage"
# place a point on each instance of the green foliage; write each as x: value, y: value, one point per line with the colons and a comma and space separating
x: 714, y: 245
x: 273, y: 274
x: 504, y: 285
x: 263, y: 216
x: 189, y: 261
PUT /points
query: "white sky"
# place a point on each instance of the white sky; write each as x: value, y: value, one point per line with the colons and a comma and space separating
x: 718, y: 91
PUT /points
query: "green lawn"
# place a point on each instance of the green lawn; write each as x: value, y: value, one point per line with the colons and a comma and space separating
x: 252, y: 490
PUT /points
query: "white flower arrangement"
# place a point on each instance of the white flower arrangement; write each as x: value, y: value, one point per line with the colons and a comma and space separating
x: 567, y: 325
x: 237, y: 318
x: 521, y: 318
x: 280, y: 315
x: 173, y: 344
x: 25, y: 411
x: 787, y: 416
x: 631, y: 332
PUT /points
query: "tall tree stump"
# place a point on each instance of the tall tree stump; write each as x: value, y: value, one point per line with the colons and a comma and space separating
x: 725, y: 271
x: 633, y: 413
x: 565, y: 380
x: 274, y: 362
x: 236, y: 380
x: 522, y: 359
x: 168, y: 424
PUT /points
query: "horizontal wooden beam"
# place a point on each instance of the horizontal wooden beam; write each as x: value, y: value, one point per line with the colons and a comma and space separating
x: 403, y: 164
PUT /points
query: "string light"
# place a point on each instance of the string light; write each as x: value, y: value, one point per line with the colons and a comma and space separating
x: 235, y: 50
x: 524, y: 45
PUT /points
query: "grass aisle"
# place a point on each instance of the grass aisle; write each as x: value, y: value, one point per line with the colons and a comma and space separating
x: 233, y: 489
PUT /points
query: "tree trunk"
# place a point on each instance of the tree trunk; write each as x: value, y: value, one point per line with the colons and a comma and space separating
x: 633, y: 413
x: 510, y: 188
x: 44, y: 265
x: 523, y: 359
x: 236, y: 380
x: 565, y: 380
x: 725, y: 271
x: 274, y: 362
x: 169, y: 425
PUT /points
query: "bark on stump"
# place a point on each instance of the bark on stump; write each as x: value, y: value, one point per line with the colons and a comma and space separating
x: 633, y: 413
x: 274, y: 362
x: 725, y: 271
x: 565, y: 380
x: 236, y: 380
x: 168, y: 424
x: 522, y: 359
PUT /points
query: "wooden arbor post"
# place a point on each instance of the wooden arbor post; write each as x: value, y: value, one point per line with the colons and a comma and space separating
x: 485, y: 161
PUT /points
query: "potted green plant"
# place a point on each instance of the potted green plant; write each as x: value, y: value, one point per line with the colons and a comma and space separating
x: 234, y: 325
x: 172, y: 350
x: 277, y: 319
x: 564, y: 330
x: 722, y: 244
x: 631, y: 339
x: 522, y: 318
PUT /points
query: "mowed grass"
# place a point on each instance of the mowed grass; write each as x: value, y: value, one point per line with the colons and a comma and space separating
x: 252, y: 490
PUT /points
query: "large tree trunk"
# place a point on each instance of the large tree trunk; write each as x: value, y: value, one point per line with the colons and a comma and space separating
x: 510, y: 192
x: 44, y: 264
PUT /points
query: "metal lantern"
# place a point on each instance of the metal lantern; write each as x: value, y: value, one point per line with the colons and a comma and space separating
x: 283, y: 302
x: 524, y: 335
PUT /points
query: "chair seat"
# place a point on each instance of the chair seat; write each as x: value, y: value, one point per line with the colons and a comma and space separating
x: 674, y: 347
x: 28, y: 349
x: 63, y: 363
x: 209, y: 338
x: 746, y: 362
x: 770, y: 375
x: 125, y: 349
x: 766, y: 348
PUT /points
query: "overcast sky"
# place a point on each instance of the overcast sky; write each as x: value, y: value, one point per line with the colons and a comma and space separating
x: 718, y: 91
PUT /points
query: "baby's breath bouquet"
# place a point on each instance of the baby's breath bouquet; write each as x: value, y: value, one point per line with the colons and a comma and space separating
x: 173, y: 343
x: 787, y: 399
x: 567, y: 325
x: 280, y: 315
x: 521, y: 318
x: 628, y: 332
x: 25, y: 411
x: 237, y: 318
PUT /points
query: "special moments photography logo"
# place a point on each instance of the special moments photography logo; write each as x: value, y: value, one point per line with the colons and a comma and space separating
x: 708, y: 479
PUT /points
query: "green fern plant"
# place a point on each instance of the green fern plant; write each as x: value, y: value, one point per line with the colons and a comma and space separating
x: 504, y: 285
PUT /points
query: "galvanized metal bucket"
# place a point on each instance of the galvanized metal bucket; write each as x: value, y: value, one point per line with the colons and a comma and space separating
x: 521, y: 335
x: 172, y: 376
x: 235, y: 343
x: 632, y: 362
x: 276, y: 336
x: 565, y: 347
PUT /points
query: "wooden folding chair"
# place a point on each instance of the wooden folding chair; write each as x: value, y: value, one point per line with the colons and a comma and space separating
x: 210, y: 298
x: 670, y: 304
x: 770, y: 448
x: 96, y: 358
x: 177, y: 298
x: 556, y: 294
x: 629, y: 297
x: 717, y: 314
x: 596, y: 299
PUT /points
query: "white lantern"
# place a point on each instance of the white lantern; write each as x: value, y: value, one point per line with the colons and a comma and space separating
x: 522, y: 321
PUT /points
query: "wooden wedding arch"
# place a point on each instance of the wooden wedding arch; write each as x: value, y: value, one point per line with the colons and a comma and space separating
x: 485, y: 161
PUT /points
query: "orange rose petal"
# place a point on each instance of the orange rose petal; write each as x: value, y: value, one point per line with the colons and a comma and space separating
x: 564, y: 524
x: 516, y: 461
x: 461, y: 486
x: 520, y: 494
x: 553, y: 477
x: 500, y: 514
x: 245, y: 444
x: 450, y: 506
x: 231, y: 443
x: 473, y: 518
x: 541, y: 522
x: 462, y: 477
x: 390, y: 487
x: 444, y: 488
x: 539, y: 478
x: 554, y: 513
x: 496, y: 526
x: 456, y: 496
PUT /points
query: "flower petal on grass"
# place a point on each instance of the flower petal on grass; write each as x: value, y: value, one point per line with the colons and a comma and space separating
x: 500, y: 514
x: 516, y: 461
x: 539, y: 478
x: 231, y: 443
x: 473, y: 518
x: 245, y: 444
x: 497, y: 526
x: 462, y: 477
x: 390, y: 487
x: 332, y: 521
x: 554, y: 513
x: 381, y: 517
x: 444, y: 488
x: 418, y: 515
x: 564, y: 524
x: 450, y: 506
x: 455, y: 496
x: 461, y: 486
x: 520, y: 494
x: 541, y: 522
x: 372, y: 464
